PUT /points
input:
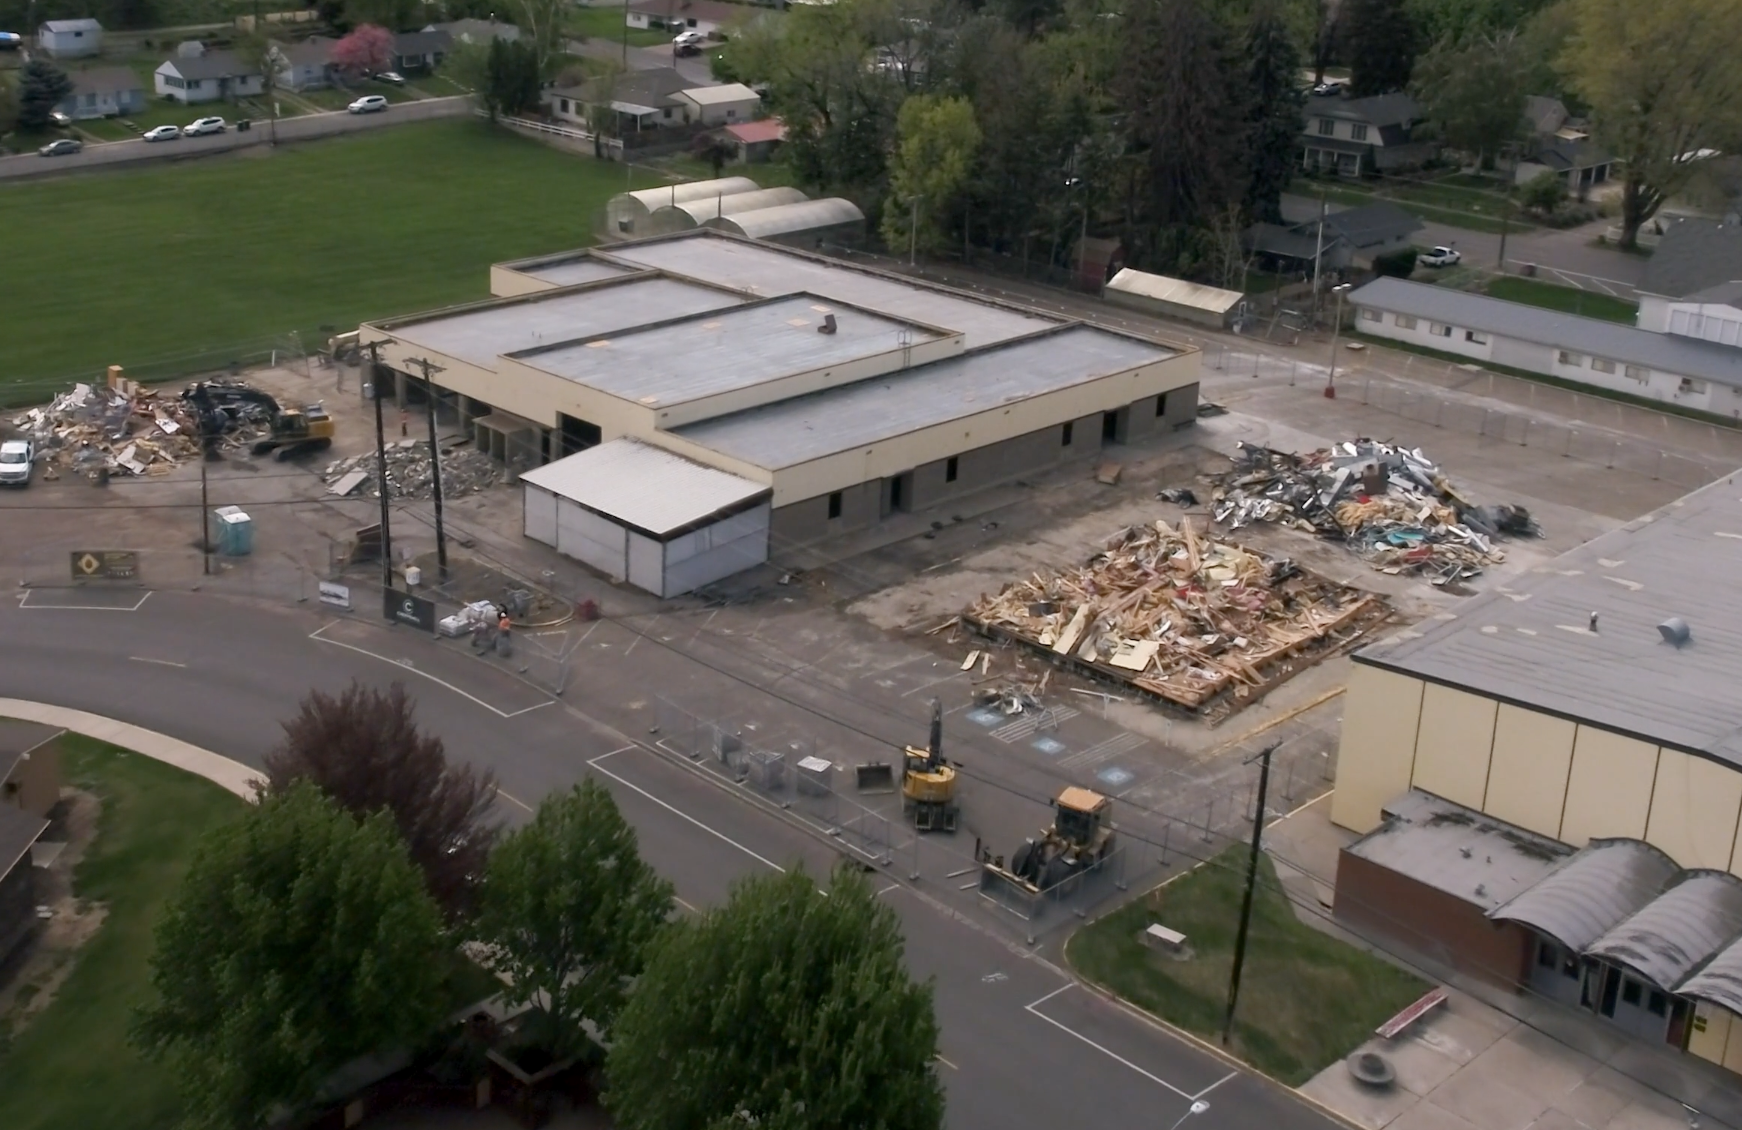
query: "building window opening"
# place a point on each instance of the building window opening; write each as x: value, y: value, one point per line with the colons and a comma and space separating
x: 950, y: 468
x: 1065, y: 433
x: 1545, y: 955
x: 1110, y: 427
x: 835, y: 505
x: 1631, y: 991
x: 1657, y: 1004
x: 1161, y: 406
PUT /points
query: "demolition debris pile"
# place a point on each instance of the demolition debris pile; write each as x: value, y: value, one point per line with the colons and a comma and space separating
x: 1389, y: 504
x: 410, y: 474
x: 1199, y: 623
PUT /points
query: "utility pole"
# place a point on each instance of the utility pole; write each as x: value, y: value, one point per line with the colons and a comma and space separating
x: 1318, y: 254
x: 205, y: 503
x: 1505, y: 224
x: 1263, y: 758
x: 374, y: 349
x: 913, y: 232
x: 1336, y: 331
x: 429, y: 369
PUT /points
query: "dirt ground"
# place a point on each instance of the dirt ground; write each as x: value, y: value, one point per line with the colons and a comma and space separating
x: 29, y: 984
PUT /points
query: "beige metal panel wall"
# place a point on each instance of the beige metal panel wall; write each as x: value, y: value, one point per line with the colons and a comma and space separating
x: 1527, y: 779
x: 1695, y: 806
x: 1609, y: 788
x: 1381, y: 711
x: 505, y: 282
x: 1711, y: 1032
x: 523, y: 398
x: 1733, y: 1052
x: 1451, y: 756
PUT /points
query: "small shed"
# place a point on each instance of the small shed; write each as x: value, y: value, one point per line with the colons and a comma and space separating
x: 694, y: 213
x: 757, y: 141
x: 70, y: 39
x: 665, y: 524
x: 628, y: 213
x: 720, y: 105
x: 810, y: 223
x: 1174, y: 298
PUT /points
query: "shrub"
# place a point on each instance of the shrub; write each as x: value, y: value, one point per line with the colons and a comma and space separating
x: 1399, y: 264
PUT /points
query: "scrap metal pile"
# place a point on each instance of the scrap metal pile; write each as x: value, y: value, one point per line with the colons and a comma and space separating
x: 1194, y: 621
x: 124, y: 428
x: 409, y: 473
x: 1390, y: 504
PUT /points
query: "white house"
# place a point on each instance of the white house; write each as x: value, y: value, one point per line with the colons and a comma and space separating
x: 1356, y: 136
x: 104, y: 92
x: 705, y: 16
x: 306, y: 65
x: 208, y: 77
x: 70, y: 39
x: 721, y: 105
x: 1682, y: 366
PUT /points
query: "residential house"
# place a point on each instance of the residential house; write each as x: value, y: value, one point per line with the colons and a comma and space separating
x: 1581, y: 163
x: 420, y: 50
x: 198, y: 74
x: 1352, y: 238
x: 104, y: 92
x: 307, y: 65
x: 477, y: 31
x: 1545, y: 116
x: 705, y: 16
x: 29, y: 766
x: 1693, y: 281
x: 720, y: 105
x: 70, y: 39
x: 641, y: 100
x: 1357, y: 136
x: 19, y: 831
x: 1695, y: 362
x: 756, y: 141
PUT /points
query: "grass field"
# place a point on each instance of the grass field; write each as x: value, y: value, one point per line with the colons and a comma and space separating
x: 133, y: 268
x: 606, y: 22
x: 1306, y: 999
x: 1567, y: 299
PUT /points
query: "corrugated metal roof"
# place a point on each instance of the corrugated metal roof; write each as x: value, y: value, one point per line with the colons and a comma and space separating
x: 1460, y: 851
x: 723, y: 92
x: 1667, y: 353
x: 1528, y: 642
x: 651, y: 198
x: 1693, y: 254
x: 643, y: 486
x: 693, y: 213
x: 1720, y: 981
x: 1678, y: 931
x: 1163, y: 288
x: 1588, y: 895
x: 784, y: 219
x: 869, y: 412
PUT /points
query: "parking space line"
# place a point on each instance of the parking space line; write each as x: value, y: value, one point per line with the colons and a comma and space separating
x: 24, y: 602
x: 1108, y: 1052
x: 406, y: 666
x: 508, y: 796
x: 675, y: 811
x: 1213, y: 1086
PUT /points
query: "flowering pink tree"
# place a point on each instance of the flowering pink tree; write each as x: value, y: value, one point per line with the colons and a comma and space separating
x: 367, y: 49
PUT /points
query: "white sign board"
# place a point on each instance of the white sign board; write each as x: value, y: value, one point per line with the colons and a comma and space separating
x: 335, y: 594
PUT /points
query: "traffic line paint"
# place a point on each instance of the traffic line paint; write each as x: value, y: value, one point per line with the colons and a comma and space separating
x: 406, y: 666
x: 675, y: 811
x: 512, y: 799
x: 1034, y: 1007
x: 24, y: 602
x: 159, y: 662
x: 940, y: 1058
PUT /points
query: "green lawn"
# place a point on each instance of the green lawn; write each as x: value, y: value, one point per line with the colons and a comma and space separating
x: 1435, y: 203
x: 1306, y: 999
x: 600, y: 22
x: 208, y: 260
x: 1568, y: 299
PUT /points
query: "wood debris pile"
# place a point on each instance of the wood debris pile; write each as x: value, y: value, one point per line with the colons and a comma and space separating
x: 122, y: 429
x: 465, y: 470
x: 1188, y: 619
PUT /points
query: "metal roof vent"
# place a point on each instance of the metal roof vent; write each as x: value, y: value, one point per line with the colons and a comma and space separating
x: 1675, y: 631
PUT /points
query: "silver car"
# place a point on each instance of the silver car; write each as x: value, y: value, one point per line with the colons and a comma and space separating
x: 17, y: 461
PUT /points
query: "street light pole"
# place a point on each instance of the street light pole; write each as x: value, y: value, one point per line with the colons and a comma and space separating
x: 1336, y: 332
x: 1263, y: 759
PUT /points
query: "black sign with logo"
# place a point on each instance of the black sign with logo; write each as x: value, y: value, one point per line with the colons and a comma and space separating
x: 105, y: 565
x: 403, y: 608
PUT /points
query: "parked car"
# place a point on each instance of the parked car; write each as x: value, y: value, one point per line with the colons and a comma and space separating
x: 65, y: 147
x: 17, y: 461
x: 60, y: 118
x: 161, y: 133
x: 1439, y: 257
x: 391, y: 78
x: 368, y: 104
x: 1328, y: 87
x: 10, y: 41
x: 691, y: 38
x: 202, y: 126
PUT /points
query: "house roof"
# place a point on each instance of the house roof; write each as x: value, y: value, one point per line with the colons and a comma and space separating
x: 1679, y: 930
x: 1667, y: 353
x: 1590, y: 894
x: 1720, y: 980
x: 709, y: 10
x: 315, y: 51
x: 1368, y: 225
x: 73, y: 25
x: 18, y: 738
x: 656, y: 86
x: 752, y: 133
x: 213, y: 64
x: 18, y: 830
x: 422, y: 42
x: 720, y: 94
x: 105, y: 80
x: 1274, y: 239
x: 1397, y: 109
x: 1693, y: 255
x: 1457, y: 850
x: 1561, y: 154
x: 1544, y: 114
x: 1179, y: 292
x: 480, y: 31
x: 647, y: 488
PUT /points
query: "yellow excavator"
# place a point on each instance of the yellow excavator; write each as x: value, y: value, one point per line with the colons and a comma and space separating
x: 1080, y: 837
x: 928, y: 782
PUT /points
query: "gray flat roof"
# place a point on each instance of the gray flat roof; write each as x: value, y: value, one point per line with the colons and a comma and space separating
x: 868, y: 412
x: 770, y: 271
x: 713, y: 353
x: 482, y: 335
x: 1457, y: 850
x: 1528, y: 641
x: 568, y: 272
x: 645, y: 487
x: 1592, y: 337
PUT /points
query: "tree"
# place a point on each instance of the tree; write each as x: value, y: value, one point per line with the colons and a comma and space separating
x: 261, y: 52
x: 1474, y: 92
x: 715, y: 149
x: 42, y: 87
x: 394, y: 15
x: 1273, y: 111
x: 570, y: 911
x: 8, y: 109
x: 364, y: 750
x: 1381, y: 44
x: 1544, y: 192
x: 938, y: 137
x: 542, y: 24
x: 511, y: 78
x: 1663, y: 84
x: 366, y: 48
x: 299, y: 940
x: 786, y: 1007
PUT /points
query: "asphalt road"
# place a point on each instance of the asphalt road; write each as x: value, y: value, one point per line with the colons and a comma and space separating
x: 1022, y: 1044
x: 110, y: 153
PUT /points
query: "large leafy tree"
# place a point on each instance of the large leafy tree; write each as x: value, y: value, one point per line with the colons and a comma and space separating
x: 569, y: 911
x: 299, y: 940
x: 1380, y: 40
x: 512, y: 82
x: 1663, y: 83
x: 1474, y: 92
x: 1273, y: 110
x: 367, y: 47
x: 41, y: 87
x: 363, y: 748
x: 935, y: 151
x: 785, y: 1007
x: 395, y: 15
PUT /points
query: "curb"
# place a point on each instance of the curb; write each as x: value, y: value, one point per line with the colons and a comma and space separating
x: 233, y: 776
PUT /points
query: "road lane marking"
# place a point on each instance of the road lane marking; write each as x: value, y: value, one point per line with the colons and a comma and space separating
x: 890, y: 887
x: 508, y: 796
x: 1106, y: 1051
x: 678, y: 811
x: 1213, y: 1086
x: 405, y: 665
x: 685, y: 905
x: 940, y: 1058
x: 160, y: 662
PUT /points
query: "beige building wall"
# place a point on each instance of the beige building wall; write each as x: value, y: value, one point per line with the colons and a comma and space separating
x: 1695, y: 807
x: 1609, y: 791
x: 1711, y: 1032
x: 1381, y: 714
x: 1527, y: 780
x: 505, y: 282
x: 1452, y: 753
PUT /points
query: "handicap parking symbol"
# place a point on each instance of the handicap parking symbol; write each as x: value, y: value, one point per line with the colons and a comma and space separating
x: 985, y: 717
x: 1114, y: 777
x: 1052, y: 747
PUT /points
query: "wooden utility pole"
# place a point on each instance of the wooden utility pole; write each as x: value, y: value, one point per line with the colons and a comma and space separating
x: 1263, y: 759
x: 374, y: 349
x: 429, y: 369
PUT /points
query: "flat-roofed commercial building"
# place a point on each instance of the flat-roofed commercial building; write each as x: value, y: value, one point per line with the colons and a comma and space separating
x: 844, y: 394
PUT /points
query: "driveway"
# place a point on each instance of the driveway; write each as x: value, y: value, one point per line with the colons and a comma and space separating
x: 115, y: 153
x: 695, y: 67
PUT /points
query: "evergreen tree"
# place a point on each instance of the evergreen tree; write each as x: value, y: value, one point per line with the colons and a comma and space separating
x: 1274, y: 111
x: 1381, y: 42
x: 41, y: 88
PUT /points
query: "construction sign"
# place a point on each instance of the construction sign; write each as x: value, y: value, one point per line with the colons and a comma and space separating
x: 105, y: 565
x: 403, y: 608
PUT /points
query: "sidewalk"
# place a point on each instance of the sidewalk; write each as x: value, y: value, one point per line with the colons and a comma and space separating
x: 219, y: 770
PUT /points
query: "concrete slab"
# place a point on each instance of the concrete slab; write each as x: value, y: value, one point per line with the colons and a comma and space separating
x: 1555, y: 1119
x: 1652, y: 1114
x: 1420, y: 1066
x: 1429, y: 1116
x: 1489, y: 1104
x: 1463, y: 1028
x: 1376, y: 1109
x: 1531, y: 1061
x: 1599, y: 1097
